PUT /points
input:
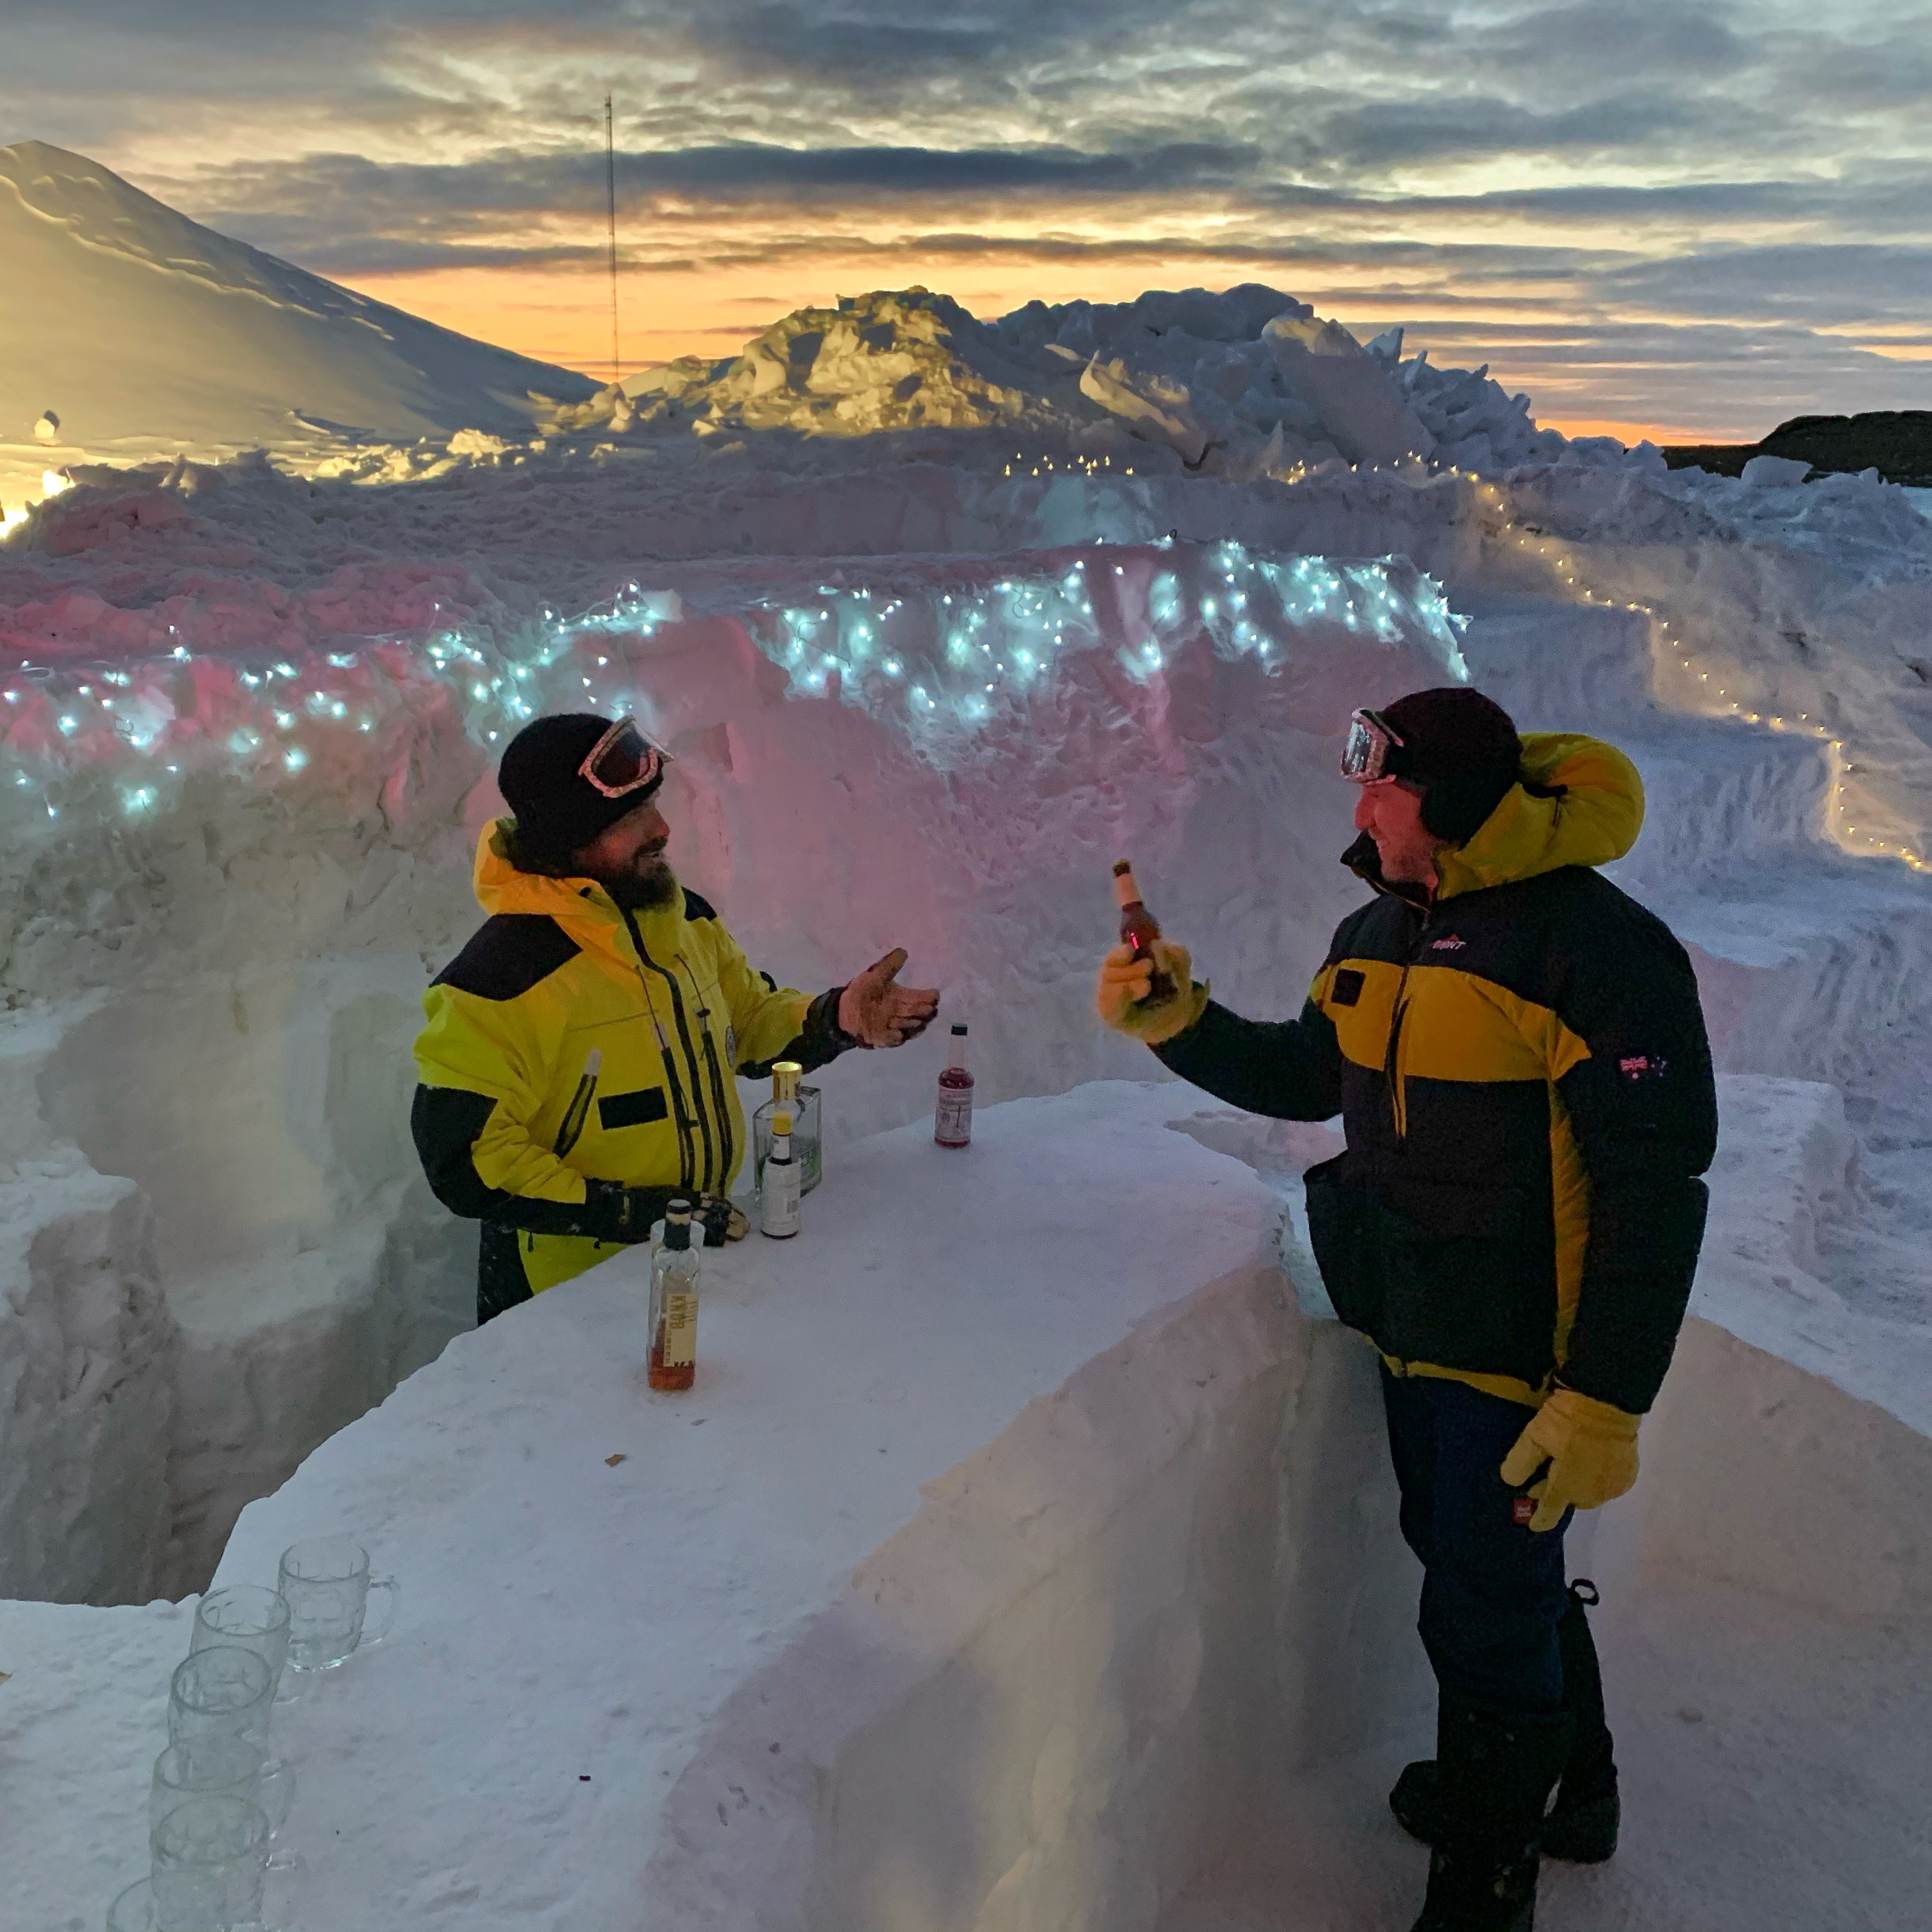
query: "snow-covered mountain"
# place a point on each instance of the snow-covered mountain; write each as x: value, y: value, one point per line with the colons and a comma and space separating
x: 131, y: 332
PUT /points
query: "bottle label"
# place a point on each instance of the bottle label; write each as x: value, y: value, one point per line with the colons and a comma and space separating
x: 952, y: 1122
x: 779, y: 1207
x: 680, y: 1327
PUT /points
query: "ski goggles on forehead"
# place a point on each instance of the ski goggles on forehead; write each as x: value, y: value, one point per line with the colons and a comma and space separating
x: 626, y: 759
x: 1365, y: 753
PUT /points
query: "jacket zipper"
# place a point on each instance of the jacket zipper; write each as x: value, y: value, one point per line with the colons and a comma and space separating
x: 686, y: 1145
x: 1391, y: 1071
x: 684, y: 1037
x: 717, y: 1095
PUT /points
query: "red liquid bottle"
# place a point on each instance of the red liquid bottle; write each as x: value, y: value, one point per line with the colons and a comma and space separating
x: 952, y: 1115
x: 1138, y: 931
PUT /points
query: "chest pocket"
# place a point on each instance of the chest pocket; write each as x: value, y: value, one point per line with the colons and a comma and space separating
x: 632, y: 1110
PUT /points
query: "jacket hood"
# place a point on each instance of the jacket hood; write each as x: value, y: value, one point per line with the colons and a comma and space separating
x: 1594, y: 817
x: 582, y: 904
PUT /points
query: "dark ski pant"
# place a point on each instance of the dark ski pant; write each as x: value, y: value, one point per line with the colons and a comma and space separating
x: 1493, y: 1592
x: 501, y: 1283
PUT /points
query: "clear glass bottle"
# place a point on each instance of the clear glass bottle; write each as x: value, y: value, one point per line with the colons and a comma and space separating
x: 952, y: 1114
x: 778, y: 1199
x: 673, y: 1353
x: 801, y: 1103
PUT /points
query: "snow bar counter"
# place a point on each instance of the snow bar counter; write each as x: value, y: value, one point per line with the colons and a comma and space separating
x: 948, y: 1556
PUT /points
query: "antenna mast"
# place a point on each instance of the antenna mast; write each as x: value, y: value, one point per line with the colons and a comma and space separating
x: 611, y: 201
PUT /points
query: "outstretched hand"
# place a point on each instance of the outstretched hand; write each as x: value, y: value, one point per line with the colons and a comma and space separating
x: 874, y: 1009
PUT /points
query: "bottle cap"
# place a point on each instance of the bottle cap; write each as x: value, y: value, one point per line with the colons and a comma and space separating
x: 677, y: 1226
x: 958, y: 1029
x: 786, y: 1074
x: 1121, y: 865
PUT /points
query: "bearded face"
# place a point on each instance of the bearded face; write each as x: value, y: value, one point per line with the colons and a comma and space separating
x: 627, y: 859
x: 644, y: 883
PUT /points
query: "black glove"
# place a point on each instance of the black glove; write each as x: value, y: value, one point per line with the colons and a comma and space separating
x: 722, y: 1221
x: 613, y: 1212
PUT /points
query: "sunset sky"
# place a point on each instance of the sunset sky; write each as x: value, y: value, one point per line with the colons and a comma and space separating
x: 1683, y: 221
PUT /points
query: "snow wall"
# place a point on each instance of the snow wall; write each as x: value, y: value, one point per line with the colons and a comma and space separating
x: 239, y: 829
x: 1067, y: 1745
x: 229, y: 884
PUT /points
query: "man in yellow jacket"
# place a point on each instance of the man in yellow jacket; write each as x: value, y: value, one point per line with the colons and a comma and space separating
x: 1518, y: 1055
x: 578, y: 1069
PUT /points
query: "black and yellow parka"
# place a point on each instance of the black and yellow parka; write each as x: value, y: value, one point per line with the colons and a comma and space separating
x: 578, y: 1068
x: 1520, y: 1064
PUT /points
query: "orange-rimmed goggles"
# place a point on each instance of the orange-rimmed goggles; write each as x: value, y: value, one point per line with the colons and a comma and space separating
x: 626, y: 759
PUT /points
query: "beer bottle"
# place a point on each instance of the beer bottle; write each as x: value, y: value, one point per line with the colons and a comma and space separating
x: 1138, y: 931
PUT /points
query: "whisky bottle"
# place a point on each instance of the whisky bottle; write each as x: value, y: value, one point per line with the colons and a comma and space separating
x: 802, y: 1103
x: 952, y: 1114
x: 778, y: 1199
x: 674, y: 1352
x: 1138, y: 931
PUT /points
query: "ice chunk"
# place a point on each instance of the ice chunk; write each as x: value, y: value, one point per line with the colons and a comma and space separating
x: 1154, y: 406
x: 1775, y: 472
x: 1360, y: 411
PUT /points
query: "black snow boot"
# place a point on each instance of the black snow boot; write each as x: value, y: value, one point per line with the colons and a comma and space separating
x: 1496, y: 1778
x: 1582, y: 1825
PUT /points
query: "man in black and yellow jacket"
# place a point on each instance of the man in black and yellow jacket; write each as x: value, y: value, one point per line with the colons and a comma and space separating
x: 579, y: 1065
x: 1518, y: 1054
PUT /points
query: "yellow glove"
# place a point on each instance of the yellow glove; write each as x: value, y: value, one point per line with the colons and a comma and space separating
x: 1123, y: 984
x: 1591, y: 1449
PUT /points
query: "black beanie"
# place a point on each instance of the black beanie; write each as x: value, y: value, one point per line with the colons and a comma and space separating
x: 557, y: 809
x: 1462, y: 748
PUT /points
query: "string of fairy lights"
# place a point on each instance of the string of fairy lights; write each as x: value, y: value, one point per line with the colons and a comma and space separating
x: 1800, y: 723
x: 938, y: 659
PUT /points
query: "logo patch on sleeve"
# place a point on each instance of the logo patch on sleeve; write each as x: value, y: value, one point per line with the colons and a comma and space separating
x: 1639, y: 1066
x: 1451, y: 944
x: 1347, y: 988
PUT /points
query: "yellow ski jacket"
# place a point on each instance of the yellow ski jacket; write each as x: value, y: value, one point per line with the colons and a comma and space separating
x: 577, y: 1068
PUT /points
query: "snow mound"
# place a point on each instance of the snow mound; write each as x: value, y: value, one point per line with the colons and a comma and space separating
x: 132, y: 331
x: 1243, y: 381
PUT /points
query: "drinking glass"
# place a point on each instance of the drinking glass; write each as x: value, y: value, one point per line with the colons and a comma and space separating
x: 135, y: 1910
x: 222, y: 1692
x: 328, y: 1585
x: 217, y: 1767
x: 210, y: 1857
x: 247, y: 1616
